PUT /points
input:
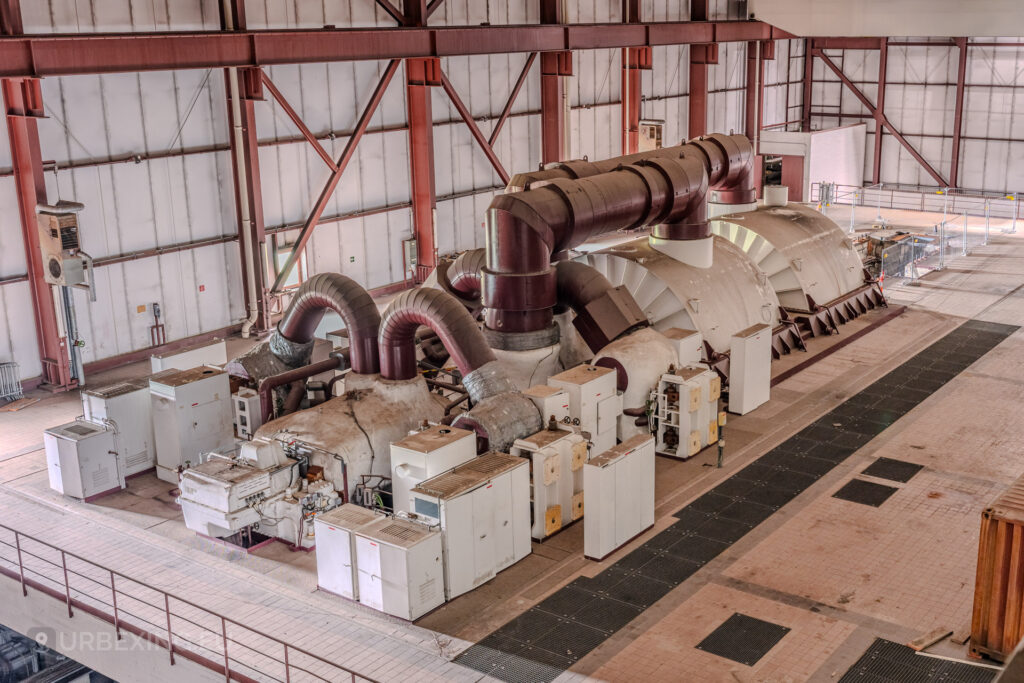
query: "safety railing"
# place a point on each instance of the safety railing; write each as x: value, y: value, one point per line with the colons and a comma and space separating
x: 952, y: 202
x: 181, y: 627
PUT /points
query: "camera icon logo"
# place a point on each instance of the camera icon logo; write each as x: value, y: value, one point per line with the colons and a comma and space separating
x: 43, y: 636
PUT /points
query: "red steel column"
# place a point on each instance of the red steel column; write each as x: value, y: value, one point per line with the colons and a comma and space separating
x: 553, y: 65
x: 958, y: 112
x: 879, y: 112
x: 700, y: 57
x: 23, y: 103
x: 420, y: 76
x: 807, y: 84
x: 250, y: 90
x: 631, y: 84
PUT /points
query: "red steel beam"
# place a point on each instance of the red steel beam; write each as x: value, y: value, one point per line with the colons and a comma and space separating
x: 66, y: 55
x: 23, y: 104
x: 512, y: 99
x: 846, y: 43
x: 631, y: 84
x: 433, y: 7
x: 808, y: 86
x: 246, y: 157
x: 392, y: 10
x: 880, y: 117
x: 297, y: 120
x: 883, y: 74
x: 698, y: 97
x: 958, y: 112
x: 474, y: 130
x: 420, y: 76
x: 346, y: 156
x: 553, y: 65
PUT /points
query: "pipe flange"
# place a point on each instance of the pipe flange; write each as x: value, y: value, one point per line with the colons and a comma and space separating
x: 579, y: 201
x: 650, y: 178
x: 579, y: 168
x: 680, y: 185
x: 518, y: 291
x: 292, y: 354
x: 522, y: 341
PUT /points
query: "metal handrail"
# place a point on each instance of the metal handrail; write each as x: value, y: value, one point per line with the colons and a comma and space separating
x: 168, y: 636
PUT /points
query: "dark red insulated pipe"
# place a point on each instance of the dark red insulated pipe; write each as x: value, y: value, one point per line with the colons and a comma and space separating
x: 464, y: 273
x: 355, y: 306
x: 443, y: 314
x: 666, y: 188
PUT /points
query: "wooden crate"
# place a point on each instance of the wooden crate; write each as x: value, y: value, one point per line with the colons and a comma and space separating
x: 997, y: 624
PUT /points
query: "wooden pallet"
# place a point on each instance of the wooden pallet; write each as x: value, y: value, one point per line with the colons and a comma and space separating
x: 21, y: 403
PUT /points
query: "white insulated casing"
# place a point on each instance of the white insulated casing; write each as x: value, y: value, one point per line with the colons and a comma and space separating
x: 424, y: 454
x: 483, y: 508
x: 549, y: 401
x: 619, y: 486
x: 556, y: 464
x: 399, y: 569
x: 191, y: 417
x: 593, y: 400
x: 128, y: 407
x: 213, y: 352
x: 688, y: 344
x: 750, y: 369
x: 248, y: 412
x: 81, y: 459
x: 336, y: 570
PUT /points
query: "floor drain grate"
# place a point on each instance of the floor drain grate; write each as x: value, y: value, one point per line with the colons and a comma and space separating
x: 865, y: 492
x: 743, y: 639
x: 888, y: 661
x: 893, y: 470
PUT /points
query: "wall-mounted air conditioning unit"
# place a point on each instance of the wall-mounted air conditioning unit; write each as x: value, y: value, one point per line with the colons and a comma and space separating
x: 64, y: 262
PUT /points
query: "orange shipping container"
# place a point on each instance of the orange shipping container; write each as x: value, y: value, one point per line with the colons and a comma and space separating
x: 998, y: 624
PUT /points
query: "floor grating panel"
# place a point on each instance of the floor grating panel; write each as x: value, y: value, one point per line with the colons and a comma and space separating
x: 888, y: 662
x: 865, y: 492
x: 893, y: 470
x: 743, y: 639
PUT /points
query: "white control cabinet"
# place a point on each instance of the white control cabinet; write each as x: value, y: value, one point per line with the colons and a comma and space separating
x: 81, y: 460
x: 213, y: 352
x: 556, y: 474
x: 688, y: 344
x: 593, y: 401
x: 549, y: 401
x: 427, y: 453
x: 483, y: 508
x: 128, y: 407
x: 619, y: 486
x: 399, y: 569
x: 191, y: 417
x: 335, y: 531
x: 686, y: 401
x: 750, y: 368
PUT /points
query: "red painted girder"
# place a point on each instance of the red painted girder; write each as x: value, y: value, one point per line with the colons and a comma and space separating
x: 332, y: 182
x: 297, y: 120
x: 880, y: 117
x: 958, y: 112
x: 512, y: 99
x: 130, y: 52
x: 474, y: 130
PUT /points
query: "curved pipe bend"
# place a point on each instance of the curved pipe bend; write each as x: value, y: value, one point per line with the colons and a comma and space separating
x: 294, y: 335
x: 604, y: 312
x: 464, y: 274
x: 443, y: 314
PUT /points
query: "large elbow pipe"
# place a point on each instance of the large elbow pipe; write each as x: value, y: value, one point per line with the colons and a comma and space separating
x: 464, y: 274
x: 604, y: 312
x: 667, y: 188
x: 455, y: 327
x: 293, y: 340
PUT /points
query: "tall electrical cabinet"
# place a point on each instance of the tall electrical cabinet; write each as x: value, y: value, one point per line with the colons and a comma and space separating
x: 191, y: 417
x: 335, y: 531
x: 619, y: 486
x: 128, y: 408
x: 399, y: 567
x: 483, y: 509
x: 593, y: 400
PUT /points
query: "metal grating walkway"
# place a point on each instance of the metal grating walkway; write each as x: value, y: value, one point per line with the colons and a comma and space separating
x: 885, y: 662
x: 544, y: 641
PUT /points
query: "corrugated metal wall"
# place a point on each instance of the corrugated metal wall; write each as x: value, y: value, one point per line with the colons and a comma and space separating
x: 97, y: 122
x: 920, y: 102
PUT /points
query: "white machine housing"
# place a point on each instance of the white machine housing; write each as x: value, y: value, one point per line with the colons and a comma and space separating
x: 620, y: 487
x: 556, y: 474
x: 687, y: 410
x: 248, y: 412
x: 128, y: 409
x: 81, y: 460
x: 336, y: 548
x: 593, y: 400
x: 213, y: 352
x: 191, y: 417
x: 483, y: 509
x: 688, y: 344
x: 399, y: 568
x: 424, y: 454
x: 750, y: 369
x: 258, y: 484
x: 549, y: 401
